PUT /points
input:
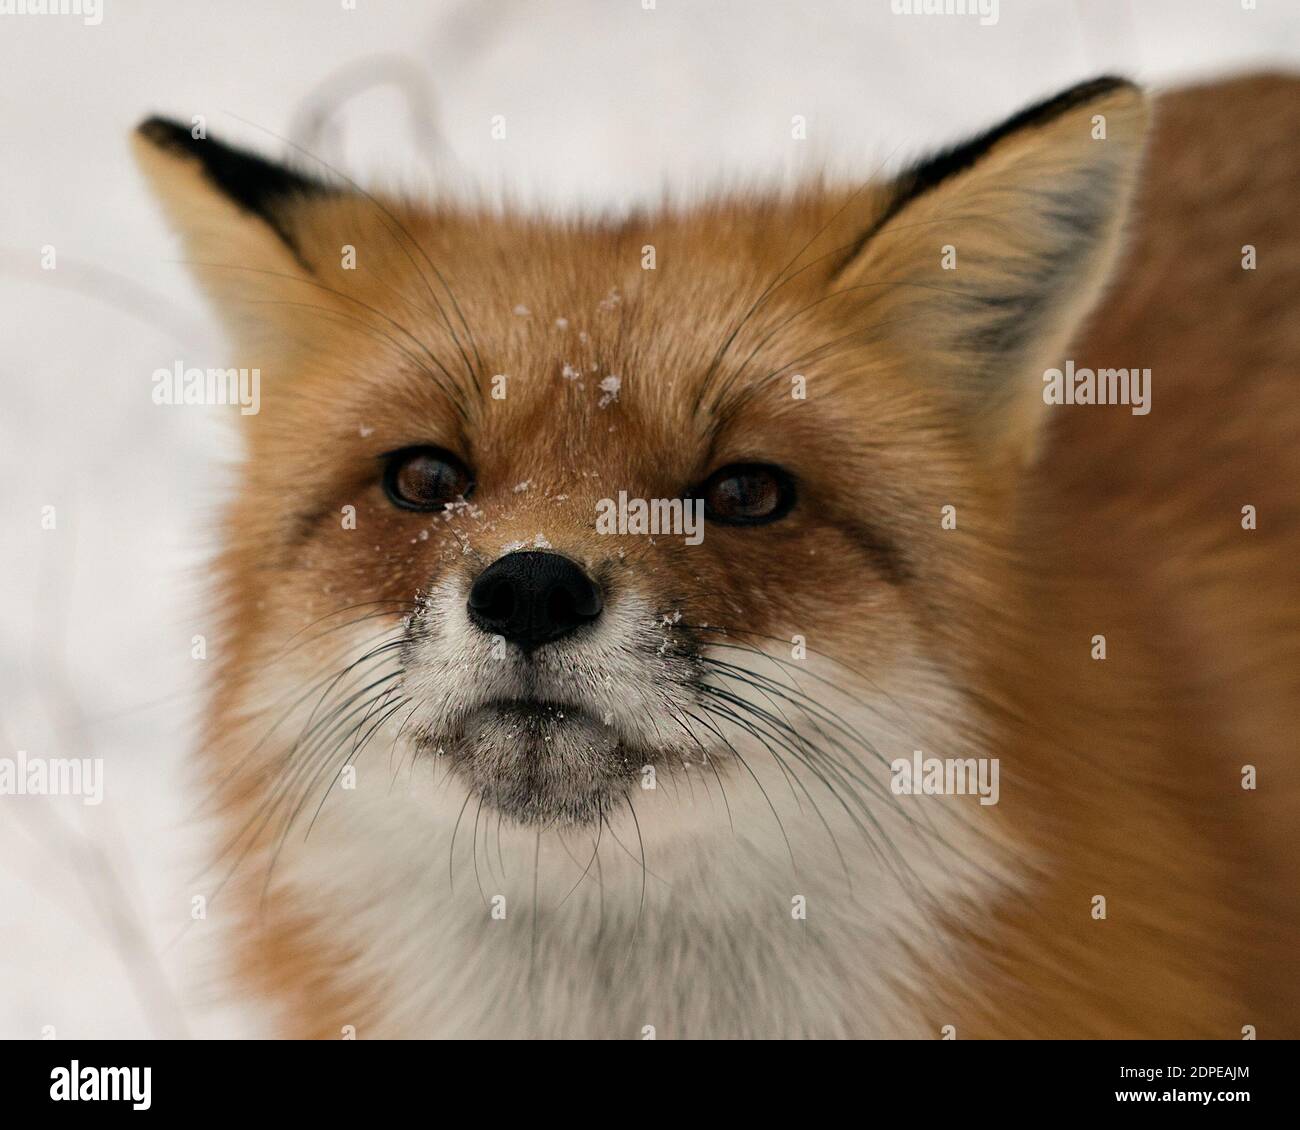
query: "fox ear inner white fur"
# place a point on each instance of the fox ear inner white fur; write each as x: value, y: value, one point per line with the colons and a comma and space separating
x: 986, y: 256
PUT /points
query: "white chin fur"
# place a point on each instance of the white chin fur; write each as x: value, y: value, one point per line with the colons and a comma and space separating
x: 680, y: 907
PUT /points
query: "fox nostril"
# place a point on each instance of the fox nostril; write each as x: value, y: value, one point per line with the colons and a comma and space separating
x: 586, y: 599
x: 561, y: 606
x: 494, y: 601
x: 531, y: 598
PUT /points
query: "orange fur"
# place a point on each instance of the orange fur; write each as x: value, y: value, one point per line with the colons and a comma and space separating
x: 1120, y: 777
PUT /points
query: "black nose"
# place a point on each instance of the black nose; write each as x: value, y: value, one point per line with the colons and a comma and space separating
x: 531, y: 598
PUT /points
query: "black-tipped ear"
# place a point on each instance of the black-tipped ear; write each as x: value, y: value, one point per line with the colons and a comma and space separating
x: 984, y: 258
x: 257, y: 187
x: 932, y: 171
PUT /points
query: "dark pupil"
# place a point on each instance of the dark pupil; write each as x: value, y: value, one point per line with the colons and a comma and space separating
x: 743, y: 496
x: 423, y: 479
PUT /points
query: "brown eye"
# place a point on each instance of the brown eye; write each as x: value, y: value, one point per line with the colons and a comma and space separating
x: 748, y: 494
x: 425, y: 478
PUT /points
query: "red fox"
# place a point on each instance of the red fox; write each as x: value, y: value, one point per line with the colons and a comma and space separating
x: 861, y: 611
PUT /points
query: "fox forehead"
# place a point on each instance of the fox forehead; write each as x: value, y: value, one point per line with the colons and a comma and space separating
x: 675, y: 296
x: 648, y: 348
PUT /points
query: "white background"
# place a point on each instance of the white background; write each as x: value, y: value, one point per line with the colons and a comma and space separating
x: 606, y: 104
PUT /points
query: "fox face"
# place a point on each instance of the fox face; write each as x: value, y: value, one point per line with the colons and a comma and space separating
x: 682, y: 526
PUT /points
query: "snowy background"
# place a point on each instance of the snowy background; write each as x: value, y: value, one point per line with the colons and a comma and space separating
x: 606, y: 104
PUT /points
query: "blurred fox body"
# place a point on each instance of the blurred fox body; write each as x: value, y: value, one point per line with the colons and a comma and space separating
x: 678, y: 820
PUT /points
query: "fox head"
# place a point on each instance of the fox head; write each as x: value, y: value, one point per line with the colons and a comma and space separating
x: 461, y: 527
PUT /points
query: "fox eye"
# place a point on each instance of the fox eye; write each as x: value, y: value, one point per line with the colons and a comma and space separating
x: 748, y: 494
x: 425, y: 478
